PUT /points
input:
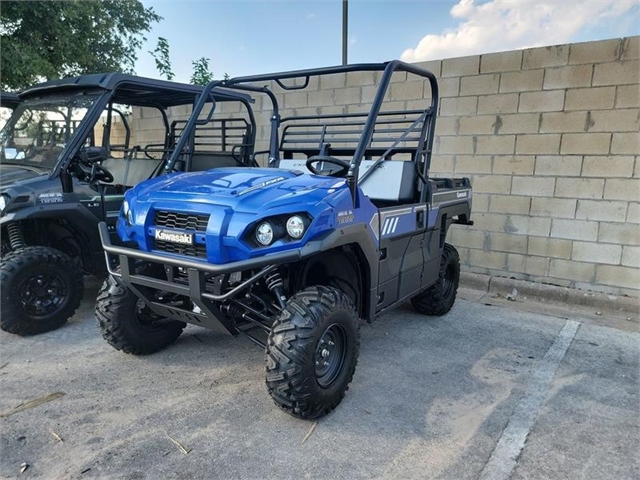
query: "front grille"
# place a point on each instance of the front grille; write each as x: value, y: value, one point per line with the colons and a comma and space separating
x: 196, y: 250
x: 181, y: 221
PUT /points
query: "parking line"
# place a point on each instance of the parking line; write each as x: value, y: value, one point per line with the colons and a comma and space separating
x: 504, y: 457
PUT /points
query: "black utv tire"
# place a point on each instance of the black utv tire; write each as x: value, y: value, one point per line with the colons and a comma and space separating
x: 312, y: 352
x: 440, y: 297
x: 126, y: 324
x: 41, y: 289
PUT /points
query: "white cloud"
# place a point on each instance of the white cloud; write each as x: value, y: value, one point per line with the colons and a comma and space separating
x: 499, y: 25
x: 311, y: 16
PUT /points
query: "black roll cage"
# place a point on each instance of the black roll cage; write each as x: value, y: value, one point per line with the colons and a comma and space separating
x: 422, y: 155
x: 137, y: 91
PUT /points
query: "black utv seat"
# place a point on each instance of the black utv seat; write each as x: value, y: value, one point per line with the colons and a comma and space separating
x: 206, y: 161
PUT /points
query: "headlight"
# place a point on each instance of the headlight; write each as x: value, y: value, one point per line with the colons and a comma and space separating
x: 125, y: 210
x: 264, y: 233
x: 295, y: 227
x: 127, y: 213
x: 285, y: 228
x: 3, y: 202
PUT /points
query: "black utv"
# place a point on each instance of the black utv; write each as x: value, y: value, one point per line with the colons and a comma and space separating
x: 68, y: 153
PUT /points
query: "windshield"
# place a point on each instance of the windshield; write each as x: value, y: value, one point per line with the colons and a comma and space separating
x: 39, y: 129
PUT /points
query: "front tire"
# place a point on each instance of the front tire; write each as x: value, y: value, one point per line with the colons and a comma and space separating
x: 312, y: 352
x: 440, y: 297
x: 41, y: 289
x: 128, y: 325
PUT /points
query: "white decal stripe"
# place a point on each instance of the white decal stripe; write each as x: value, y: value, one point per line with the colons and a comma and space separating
x: 388, y: 223
x: 395, y: 224
x: 385, y: 225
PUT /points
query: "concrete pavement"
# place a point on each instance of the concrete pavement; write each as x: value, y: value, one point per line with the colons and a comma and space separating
x: 431, y: 398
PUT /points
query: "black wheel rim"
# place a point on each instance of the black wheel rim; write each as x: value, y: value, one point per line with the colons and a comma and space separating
x: 448, y: 282
x: 330, y: 354
x: 43, y: 294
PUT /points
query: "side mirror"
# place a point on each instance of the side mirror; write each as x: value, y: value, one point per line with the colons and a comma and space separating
x: 92, y: 155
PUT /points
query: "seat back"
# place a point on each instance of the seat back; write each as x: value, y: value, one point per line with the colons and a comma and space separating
x: 392, y: 181
x: 118, y: 168
x: 130, y: 171
x: 206, y: 161
x: 140, y: 169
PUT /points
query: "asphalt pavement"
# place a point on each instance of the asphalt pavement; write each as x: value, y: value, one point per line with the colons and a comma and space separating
x: 489, y: 391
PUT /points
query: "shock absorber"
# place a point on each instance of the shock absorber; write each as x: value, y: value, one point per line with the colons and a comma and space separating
x: 16, y: 239
x: 233, y: 311
x: 273, y: 281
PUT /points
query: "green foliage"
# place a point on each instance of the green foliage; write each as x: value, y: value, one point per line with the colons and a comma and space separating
x: 161, y: 56
x: 226, y: 76
x: 55, y: 39
x: 201, y: 74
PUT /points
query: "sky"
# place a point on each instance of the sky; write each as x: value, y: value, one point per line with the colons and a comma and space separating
x: 243, y: 37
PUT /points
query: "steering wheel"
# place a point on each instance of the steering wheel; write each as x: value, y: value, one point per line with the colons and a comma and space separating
x: 99, y: 173
x: 344, y: 166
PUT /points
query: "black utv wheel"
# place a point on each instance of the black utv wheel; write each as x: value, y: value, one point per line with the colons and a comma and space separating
x: 312, y: 352
x: 41, y: 289
x: 127, y: 324
x: 439, y: 298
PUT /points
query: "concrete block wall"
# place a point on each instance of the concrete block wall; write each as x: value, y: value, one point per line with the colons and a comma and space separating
x: 549, y: 137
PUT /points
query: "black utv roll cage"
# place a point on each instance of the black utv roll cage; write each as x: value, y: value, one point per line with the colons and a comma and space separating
x: 132, y: 90
x: 424, y: 124
x: 9, y: 100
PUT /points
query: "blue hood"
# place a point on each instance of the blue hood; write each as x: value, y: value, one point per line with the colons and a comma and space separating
x: 242, y: 189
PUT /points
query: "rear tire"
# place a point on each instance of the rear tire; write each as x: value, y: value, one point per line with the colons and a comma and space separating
x: 312, y: 352
x: 440, y: 297
x: 127, y: 324
x: 41, y: 289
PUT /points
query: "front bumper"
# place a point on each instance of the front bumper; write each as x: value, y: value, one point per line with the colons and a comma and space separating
x: 208, y: 313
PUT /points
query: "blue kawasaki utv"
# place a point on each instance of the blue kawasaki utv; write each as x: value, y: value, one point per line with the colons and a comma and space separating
x: 344, y: 224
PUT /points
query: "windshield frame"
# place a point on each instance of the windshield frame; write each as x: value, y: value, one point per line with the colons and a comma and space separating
x: 78, y: 137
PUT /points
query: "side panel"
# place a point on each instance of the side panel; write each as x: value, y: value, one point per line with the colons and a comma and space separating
x: 432, y: 253
x: 401, y: 252
x: 412, y: 267
x: 441, y: 216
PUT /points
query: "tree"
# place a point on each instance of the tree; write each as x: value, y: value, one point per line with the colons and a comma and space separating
x: 54, y: 39
x: 161, y: 56
x: 201, y: 74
